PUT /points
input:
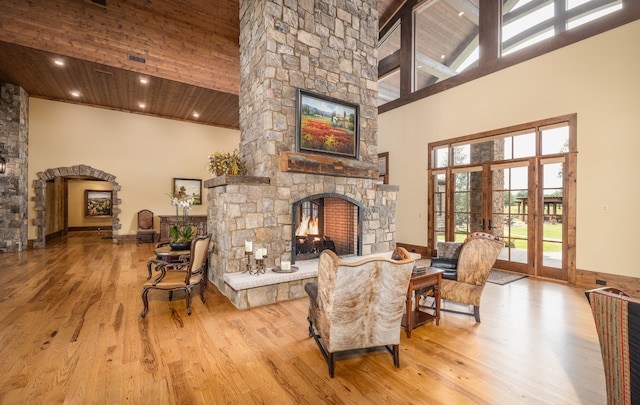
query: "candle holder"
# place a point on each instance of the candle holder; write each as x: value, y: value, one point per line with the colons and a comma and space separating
x: 248, y: 254
x: 260, y: 265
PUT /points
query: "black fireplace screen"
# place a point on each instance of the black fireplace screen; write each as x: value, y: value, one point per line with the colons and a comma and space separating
x: 325, y: 223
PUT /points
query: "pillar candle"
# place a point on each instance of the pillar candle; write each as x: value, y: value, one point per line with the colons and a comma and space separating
x: 285, y: 265
x: 248, y: 246
x: 258, y: 254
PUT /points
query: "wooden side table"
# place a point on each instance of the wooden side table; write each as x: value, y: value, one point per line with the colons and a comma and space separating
x: 431, y: 278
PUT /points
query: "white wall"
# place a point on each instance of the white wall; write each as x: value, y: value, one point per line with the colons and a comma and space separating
x: 597, y: 78
x: 143, y: 152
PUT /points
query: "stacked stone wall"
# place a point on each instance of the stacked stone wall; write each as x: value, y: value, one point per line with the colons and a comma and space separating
x: 14, y: 146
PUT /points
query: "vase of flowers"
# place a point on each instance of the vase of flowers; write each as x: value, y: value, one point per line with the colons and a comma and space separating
x: 221, y: 163
x: 181, y: 234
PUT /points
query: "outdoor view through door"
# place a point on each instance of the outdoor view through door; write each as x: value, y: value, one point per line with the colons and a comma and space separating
x: 517, y: 183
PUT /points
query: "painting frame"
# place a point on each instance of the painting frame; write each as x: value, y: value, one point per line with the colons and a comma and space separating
x: 327, y: 125
x: 192, y: 187
x: 98, y: 203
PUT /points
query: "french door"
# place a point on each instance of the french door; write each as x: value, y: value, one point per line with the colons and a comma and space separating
x: 522, y: 188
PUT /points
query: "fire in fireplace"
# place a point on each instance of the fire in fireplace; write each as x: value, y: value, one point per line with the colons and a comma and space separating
x: 325, y: 222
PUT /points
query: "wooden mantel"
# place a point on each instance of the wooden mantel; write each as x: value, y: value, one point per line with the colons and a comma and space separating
x: 326, y: 165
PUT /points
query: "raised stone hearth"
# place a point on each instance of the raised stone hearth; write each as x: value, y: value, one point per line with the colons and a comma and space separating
x: 246, y: 290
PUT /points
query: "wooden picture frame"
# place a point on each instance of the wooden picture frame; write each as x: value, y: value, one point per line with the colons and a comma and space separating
x: 326, y: 125
x: 190, y: 187
x: 98, y: 203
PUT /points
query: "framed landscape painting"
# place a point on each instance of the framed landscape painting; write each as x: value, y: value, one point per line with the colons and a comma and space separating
x: 188, y: 188
x: 327, y: 125
x: 98, y: 203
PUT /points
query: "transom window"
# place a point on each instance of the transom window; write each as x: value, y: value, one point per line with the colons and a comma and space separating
x: 448, y: 37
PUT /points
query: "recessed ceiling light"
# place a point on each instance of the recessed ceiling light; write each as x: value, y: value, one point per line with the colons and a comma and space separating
x: 142, y: 105
x: 442, y: 56
x: 75, y: 93
x: 144, y: 80
x: 460, y: 14
x: 58, y: 62
x: 196, y: 114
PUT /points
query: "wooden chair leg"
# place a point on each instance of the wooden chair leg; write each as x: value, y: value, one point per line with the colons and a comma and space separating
x: 331, y: 361
x: 203, y: 286
x: 188, y: 294
x: 145, y: 302
x: 396, y: 356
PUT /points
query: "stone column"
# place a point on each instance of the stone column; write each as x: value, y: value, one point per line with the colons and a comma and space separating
x: 14, y: 110
x: 322, y: 46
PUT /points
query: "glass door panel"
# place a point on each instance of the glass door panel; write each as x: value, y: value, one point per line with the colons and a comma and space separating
x: 510, y: 216
x: 467, y: 204
x: 551, y: 220
x: 439, y: 206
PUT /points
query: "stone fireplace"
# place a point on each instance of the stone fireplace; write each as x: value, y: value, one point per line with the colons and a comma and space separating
x: 324, y: 47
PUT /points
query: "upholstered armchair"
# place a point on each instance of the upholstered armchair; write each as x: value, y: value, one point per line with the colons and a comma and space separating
x: 358, y: 305
x: 181, y: 276
x: 617, y: 319
x: 476, y: 257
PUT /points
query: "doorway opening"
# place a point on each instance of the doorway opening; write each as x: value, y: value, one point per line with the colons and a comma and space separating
x: 48, y: 178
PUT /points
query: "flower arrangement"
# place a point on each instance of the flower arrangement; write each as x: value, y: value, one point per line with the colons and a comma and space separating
x: 182, y: 233
x: 221, y: 163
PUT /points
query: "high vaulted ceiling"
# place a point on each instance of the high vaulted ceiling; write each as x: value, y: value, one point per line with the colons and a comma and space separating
x: 188, y: 50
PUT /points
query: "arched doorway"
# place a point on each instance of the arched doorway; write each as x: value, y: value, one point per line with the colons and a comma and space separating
x: 79, y: 170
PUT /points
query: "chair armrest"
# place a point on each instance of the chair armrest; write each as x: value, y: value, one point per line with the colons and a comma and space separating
x: 312, y: 291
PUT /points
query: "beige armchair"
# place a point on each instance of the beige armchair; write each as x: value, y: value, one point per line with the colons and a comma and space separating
x: 358, y: 305
x: 476, y: 257
x: 181, y: 276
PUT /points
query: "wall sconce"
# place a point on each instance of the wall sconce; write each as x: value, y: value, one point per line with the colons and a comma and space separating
x: 3, y: 165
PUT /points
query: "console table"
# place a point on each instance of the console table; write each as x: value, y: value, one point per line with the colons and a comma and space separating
x: 167, y: 221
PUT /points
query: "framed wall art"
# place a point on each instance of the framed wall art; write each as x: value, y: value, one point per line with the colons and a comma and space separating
x: 98, y: 203
x: 188, y: 188
x: 327, y: 125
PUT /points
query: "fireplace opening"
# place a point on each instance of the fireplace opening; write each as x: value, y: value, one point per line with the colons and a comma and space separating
x: 325, y: 222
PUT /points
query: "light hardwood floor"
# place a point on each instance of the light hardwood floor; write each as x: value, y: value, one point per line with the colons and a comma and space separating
x: 71, y: 332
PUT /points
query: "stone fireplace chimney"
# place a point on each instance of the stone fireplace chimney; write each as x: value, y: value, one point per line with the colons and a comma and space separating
x: 327, y: 48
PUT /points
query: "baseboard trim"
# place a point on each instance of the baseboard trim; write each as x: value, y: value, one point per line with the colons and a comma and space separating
x: 587, y: 279
x: 90, y: 228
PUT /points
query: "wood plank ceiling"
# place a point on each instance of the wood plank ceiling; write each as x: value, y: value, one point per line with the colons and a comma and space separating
x: 188, y: 50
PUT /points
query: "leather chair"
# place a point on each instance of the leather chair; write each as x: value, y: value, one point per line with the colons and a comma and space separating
x: 358, y: 305
x: 181, y: 276
x: 617, y: 319
x: 477, y: 256
x: 145, y: 231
